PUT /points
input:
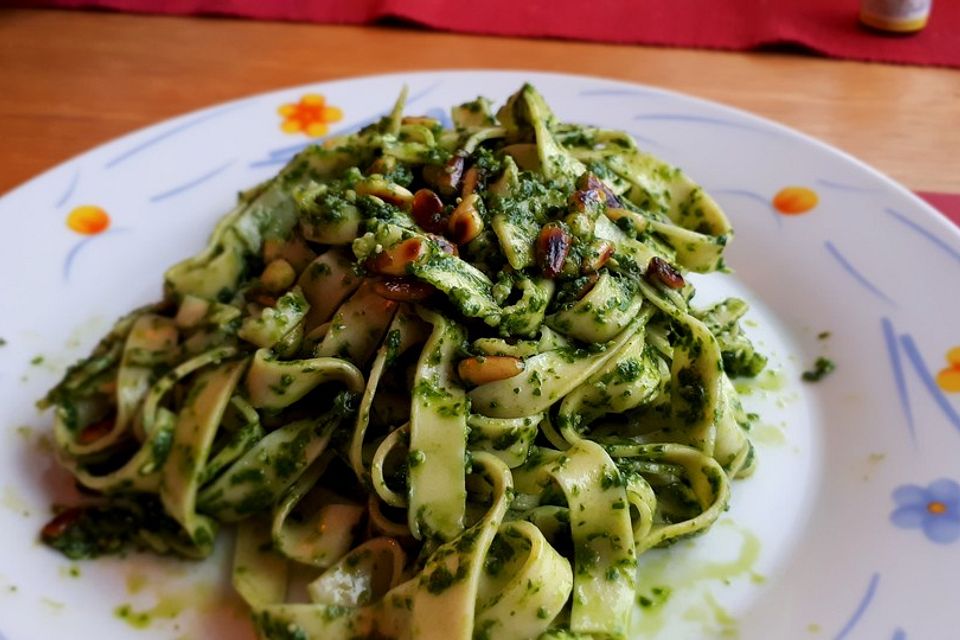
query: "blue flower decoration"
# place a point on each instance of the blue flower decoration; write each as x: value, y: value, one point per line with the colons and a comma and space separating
x: 935, y: 509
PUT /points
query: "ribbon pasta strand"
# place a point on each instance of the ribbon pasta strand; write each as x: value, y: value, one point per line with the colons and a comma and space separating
x: 444, y: 383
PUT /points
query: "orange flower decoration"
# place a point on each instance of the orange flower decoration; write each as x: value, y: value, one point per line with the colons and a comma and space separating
x: 949, y: 378
x: 88, y: 219
x: 795, y: 200
x: 311, y: 115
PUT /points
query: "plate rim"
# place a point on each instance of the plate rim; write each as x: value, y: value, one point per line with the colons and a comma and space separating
x: 792, y: 135
x: 931, y: 212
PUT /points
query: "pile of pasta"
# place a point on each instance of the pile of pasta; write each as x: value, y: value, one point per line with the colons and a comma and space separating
x: 444, y: 382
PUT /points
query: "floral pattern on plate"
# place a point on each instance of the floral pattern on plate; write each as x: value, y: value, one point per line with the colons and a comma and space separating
x: 311, y: 115
x: 935, y: 509
x: 201, y: 154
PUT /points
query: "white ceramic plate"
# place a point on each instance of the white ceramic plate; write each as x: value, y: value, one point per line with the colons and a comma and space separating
x: 849, y: 529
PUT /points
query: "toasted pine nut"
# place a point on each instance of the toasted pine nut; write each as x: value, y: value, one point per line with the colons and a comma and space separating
x: 659, y: 270
x: 263, y: 299
x: 553, y: 246
x: 294, y: 250
x: 401, y: 289
x: 60, y: 524
x: 583, y: 200
x: 271, y: 249
x: 278, y: 276
x: 93, y: 432
x: 429, y: 123
x: 445, y: 178
x: 471, y: 179
x: 427, y: 211
x: 465, y: 221
x: 483, y: 369
x: 591, y: 181
x: 382, y: 165
x: 387, y: 191
x: 395, y: 260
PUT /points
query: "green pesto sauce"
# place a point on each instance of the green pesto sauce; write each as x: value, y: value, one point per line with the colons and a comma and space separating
x: 431, y: 390
x: 713, y: 617
x: 392, y: 342
x: 821, y: 368
x: 693, y: 393
x: 12, y: 501
x: 415, y: 458
x: 71, y: 571
x: 768, y: 435
x: 769, y: 380
x: 136, y: 583
x: 655, y: 598
x: 507, y: 439
x: 54, y: 605
x: 166, y: 608
x: 499, y: 555
x: 441, y: 578
x: 660, y: 567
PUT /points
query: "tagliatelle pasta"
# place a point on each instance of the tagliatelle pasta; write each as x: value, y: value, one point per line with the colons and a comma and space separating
x: 450, y: 381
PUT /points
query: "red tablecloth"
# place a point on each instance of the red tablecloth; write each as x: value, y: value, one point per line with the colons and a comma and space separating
x: 947, y: 203
x: 830, y: 27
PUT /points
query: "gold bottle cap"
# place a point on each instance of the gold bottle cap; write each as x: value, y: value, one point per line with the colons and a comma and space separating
x: 899, y: 16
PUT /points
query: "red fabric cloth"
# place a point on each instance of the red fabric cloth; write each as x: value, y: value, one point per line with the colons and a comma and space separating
x: 830, y: 27
x: 947, y: 203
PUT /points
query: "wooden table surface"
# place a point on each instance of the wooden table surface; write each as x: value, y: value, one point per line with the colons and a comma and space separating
x: 72, y: 80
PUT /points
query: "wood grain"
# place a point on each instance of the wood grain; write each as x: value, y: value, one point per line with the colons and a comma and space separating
x: 72, y: 80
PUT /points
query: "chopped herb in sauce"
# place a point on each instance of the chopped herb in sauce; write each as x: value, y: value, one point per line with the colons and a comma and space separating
x: 821, y: 368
